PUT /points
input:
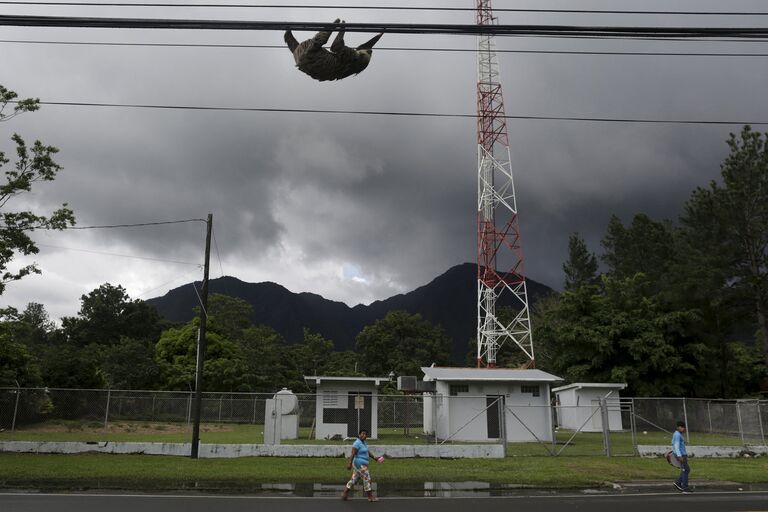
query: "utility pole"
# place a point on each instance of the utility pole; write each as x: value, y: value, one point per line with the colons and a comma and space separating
x: 500, y: 277
x: 201, y: 341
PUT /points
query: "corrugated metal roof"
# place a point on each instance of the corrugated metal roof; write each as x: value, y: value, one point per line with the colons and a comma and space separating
x: 581, y: 385
x: 487, y: 374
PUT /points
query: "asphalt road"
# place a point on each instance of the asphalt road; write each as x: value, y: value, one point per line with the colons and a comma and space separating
x: 644, y: 502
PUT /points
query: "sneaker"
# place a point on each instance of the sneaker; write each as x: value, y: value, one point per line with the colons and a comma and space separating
x: 687, y: 491
x: 678, y: 487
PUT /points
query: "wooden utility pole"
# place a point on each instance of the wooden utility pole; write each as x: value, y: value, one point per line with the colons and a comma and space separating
x: 201, y: 342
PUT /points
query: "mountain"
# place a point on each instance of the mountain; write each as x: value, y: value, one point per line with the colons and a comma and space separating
x: 449, y: 300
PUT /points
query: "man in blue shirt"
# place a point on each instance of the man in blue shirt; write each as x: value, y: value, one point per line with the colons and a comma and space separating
x: 678, y: 448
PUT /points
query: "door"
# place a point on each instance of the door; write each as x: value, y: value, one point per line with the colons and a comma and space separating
x: 492, y: 415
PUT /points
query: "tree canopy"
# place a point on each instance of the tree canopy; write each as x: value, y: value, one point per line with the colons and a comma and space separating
x: 33, y: 165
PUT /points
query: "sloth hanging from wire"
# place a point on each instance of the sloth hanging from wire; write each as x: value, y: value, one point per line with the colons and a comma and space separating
x: 339, y: 62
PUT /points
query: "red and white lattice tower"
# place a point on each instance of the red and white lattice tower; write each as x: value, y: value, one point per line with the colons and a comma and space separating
x: 500, y: 278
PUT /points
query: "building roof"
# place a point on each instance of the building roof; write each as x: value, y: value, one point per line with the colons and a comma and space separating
x: 314, y: 380
x: 601, y: 385
x: 434, y: 373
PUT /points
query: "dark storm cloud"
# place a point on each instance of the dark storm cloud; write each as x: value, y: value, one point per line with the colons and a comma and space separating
x: 358, y: 208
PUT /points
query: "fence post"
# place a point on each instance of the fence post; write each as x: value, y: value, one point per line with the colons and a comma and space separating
x: 434, y: 416
x: 221, y: 403
x: 760, y: 422
x: 606, y: 426
x: 106, y: 413
x: 687, y: 426
x: 632, y: 426
x: 16, y: 407
x: 738, y: 418
x: 189, y: 408
x: 709, y: 415
x: 255, y: 397
x: 503, y: 424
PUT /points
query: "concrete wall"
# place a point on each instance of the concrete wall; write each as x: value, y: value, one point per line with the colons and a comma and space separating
x: 706, y: 451
x: 255, y: 450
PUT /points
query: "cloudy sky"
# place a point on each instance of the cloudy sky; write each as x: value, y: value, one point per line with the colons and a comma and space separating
x: 355, y: 208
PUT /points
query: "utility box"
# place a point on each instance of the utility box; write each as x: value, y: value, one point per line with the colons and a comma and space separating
x: 577, y: 406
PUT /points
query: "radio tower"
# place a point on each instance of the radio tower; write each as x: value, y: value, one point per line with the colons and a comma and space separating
x: 500, y: 278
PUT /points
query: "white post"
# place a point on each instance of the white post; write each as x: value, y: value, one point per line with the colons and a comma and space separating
x: 106, y: 413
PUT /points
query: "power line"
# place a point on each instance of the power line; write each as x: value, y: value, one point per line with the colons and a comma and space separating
x: 218, y: 255
x: 396, y: 28
x: 90, y: 251
x: 143, y: 224
x: 395, y: 114
x: 411, y: 49
x: 385, y: 8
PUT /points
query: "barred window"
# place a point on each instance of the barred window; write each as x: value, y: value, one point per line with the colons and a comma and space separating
x: 455, y: 389
x: 532, y: 389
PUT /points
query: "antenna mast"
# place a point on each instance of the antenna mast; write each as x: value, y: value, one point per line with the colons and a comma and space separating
x: 500, y: 277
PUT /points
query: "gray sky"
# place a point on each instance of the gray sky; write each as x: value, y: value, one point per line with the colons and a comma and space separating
x: 355, y: 208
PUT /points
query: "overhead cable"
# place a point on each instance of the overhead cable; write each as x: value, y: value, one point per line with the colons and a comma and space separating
x: 384, y: 8
x: 397, y: 114
x: 395, y: 28
x: 412, y: 49
x: 104, y: 253
x: 143, y: 224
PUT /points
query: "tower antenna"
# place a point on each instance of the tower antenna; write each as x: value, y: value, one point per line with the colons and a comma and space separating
x: 500, y: 276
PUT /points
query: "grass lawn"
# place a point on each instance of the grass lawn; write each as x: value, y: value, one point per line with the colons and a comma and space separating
x: 584, y: 443
x: 163, y: 472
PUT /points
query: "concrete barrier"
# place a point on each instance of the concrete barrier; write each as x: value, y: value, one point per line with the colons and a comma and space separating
x: 472, y: 451
x: 706, y: 451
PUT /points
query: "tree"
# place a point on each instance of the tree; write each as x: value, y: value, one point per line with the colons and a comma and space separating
x: 225, y: 368
x: 107, y: 314
x: 18, y: 367
x: 581, y: 266
x: 730, y: 221
x: 645, y: 247
x: 268, y: 361
x: 620, y: 333
x: 402, y: 343
x: 35, y: 164
x: 231, y: 314
x: 312, y: 354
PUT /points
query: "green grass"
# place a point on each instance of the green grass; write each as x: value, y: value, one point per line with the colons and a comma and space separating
x: 164, y: 472
x: 583, y: 444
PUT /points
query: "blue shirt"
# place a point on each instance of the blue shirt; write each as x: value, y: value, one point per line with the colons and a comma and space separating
x: 678, y: 444
x: 361, y: 457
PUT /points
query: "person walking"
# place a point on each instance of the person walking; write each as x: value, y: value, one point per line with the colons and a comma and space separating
x: 358, y: 463
x: 678, y: 449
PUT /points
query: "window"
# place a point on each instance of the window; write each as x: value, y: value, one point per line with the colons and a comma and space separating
x: 331, y: 400
x: 455, y: 389
x: 528, y: 388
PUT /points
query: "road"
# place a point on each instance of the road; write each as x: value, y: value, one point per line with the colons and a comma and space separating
x: 640, y: 502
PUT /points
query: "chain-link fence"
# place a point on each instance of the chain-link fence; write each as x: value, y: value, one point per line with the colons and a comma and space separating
x: 708, y: 422
x: 608, y: 426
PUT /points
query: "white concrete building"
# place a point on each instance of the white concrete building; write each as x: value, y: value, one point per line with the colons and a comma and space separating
x: 345, y: 405
x: 465, y: 405
x: 578, y: 406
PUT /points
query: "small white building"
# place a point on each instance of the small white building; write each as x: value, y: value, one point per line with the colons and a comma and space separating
x: 345, y: 405
x: 578, y: 406
x: 466, y: 407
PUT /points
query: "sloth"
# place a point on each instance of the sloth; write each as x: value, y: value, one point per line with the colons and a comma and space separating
x: 339, y: 62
